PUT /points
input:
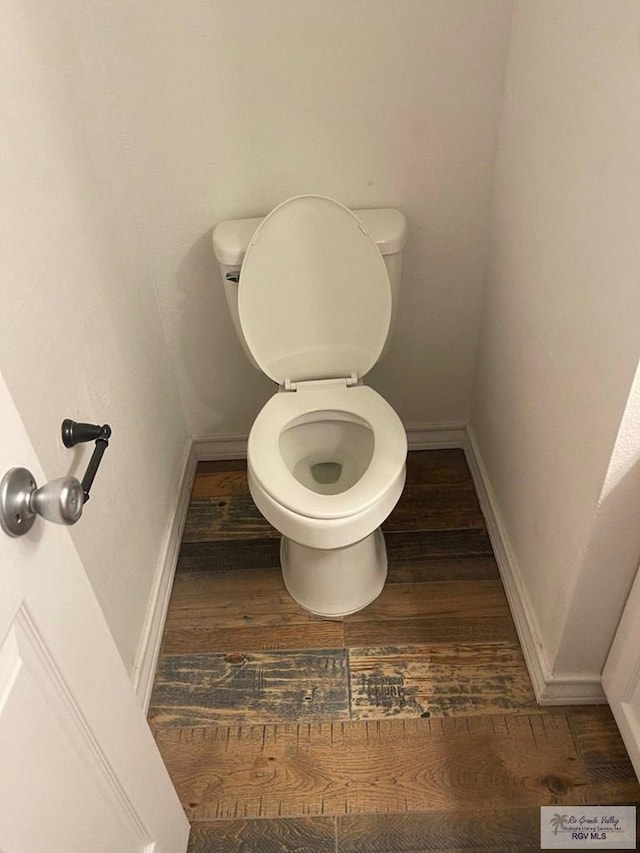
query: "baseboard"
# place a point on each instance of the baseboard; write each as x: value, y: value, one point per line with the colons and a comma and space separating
x: 149, y: 649
x: 570, y: 690
x: 550, y: 688
x: 210, y: 448
x: 436, y: 436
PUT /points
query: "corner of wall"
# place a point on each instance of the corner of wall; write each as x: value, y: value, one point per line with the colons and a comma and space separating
x: 151, y: 639
x: 551, y: 688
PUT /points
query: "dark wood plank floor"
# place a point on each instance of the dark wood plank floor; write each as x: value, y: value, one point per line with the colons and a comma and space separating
x: 408, y: 727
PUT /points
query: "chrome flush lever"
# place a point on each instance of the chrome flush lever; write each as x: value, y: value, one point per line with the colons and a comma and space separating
x: 61, y: 500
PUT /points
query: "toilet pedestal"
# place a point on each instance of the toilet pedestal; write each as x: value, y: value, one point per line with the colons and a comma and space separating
x: 338, y: 581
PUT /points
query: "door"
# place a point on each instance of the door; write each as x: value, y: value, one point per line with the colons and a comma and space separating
x: 621, y: 675
x: 79, y: 770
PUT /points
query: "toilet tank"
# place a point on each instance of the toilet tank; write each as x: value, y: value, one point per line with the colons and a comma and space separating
x: 387, y: 226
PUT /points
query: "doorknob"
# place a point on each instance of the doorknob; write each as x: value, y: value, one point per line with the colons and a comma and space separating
x: 61, y: 500
x: 21, y: 501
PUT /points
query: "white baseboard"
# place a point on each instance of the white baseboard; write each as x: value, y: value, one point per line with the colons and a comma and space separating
x: 570, y: 690
x: 436, y: 436
x: 209, y: 448
x: 550, y: 688
x: 149, y: 650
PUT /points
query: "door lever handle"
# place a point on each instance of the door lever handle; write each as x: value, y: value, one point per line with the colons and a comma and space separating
x: 74, y: 433
x: 61, y: 500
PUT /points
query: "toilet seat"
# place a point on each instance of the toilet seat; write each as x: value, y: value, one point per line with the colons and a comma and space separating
x: 275, y: 478
x: 314, y: 296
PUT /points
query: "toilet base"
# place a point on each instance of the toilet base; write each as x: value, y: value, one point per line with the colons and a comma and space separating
x: 337, y: 581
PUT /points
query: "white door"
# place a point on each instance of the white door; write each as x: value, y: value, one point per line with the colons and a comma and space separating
x: 621, y: 675
x: 79, y: 770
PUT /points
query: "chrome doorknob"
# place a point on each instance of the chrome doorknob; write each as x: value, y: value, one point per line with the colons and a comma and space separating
x: 60, y: 501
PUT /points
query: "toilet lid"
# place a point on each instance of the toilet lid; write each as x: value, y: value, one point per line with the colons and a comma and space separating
x: 314, y: 296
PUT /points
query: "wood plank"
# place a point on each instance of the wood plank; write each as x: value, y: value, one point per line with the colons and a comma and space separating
x: 233, y: 554
x: 442, y: 598
x: 434, y: 629
x: 299, y: 770
x: 463, y: 829
x: 402, y: 549
x: 614, y: 784
x: 437, y: 507
x: 258, y: 687
x: 428, y: 544
x: 225, y: 517
x: 440, y: 680
x: 241, y: 611
x: 433, y: 612
x: 597, y: 735
x: 443, y: 569
x: 234, y: 515
x: 611, y: 774
x: 234, y: 600
x: 220, y: 483
x: 302, y: 835
x: 203, y: 638
x: 428, y: 467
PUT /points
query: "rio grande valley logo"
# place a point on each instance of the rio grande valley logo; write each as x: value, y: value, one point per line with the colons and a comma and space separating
x: 588, y: 827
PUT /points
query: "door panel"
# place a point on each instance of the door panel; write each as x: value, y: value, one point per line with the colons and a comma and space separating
x: 44, y: 731
x: 79, y: 769
x: 621, y: 676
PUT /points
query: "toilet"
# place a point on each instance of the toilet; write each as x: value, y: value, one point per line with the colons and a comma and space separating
x: 312, y: 289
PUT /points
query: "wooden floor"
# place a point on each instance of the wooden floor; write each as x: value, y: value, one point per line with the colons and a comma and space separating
x: 410, y: 726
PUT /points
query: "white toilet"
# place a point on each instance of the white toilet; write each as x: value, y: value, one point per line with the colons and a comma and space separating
x: 311, y: 290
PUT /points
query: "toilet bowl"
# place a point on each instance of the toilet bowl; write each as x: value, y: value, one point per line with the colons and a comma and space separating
x: 326, y: 466
x: 326, y: 454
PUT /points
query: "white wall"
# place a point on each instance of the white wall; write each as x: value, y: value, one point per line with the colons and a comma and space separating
x: 80, y: 333
x: 227, y: 107
x: 132, y: 128
x: 559, y: 340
